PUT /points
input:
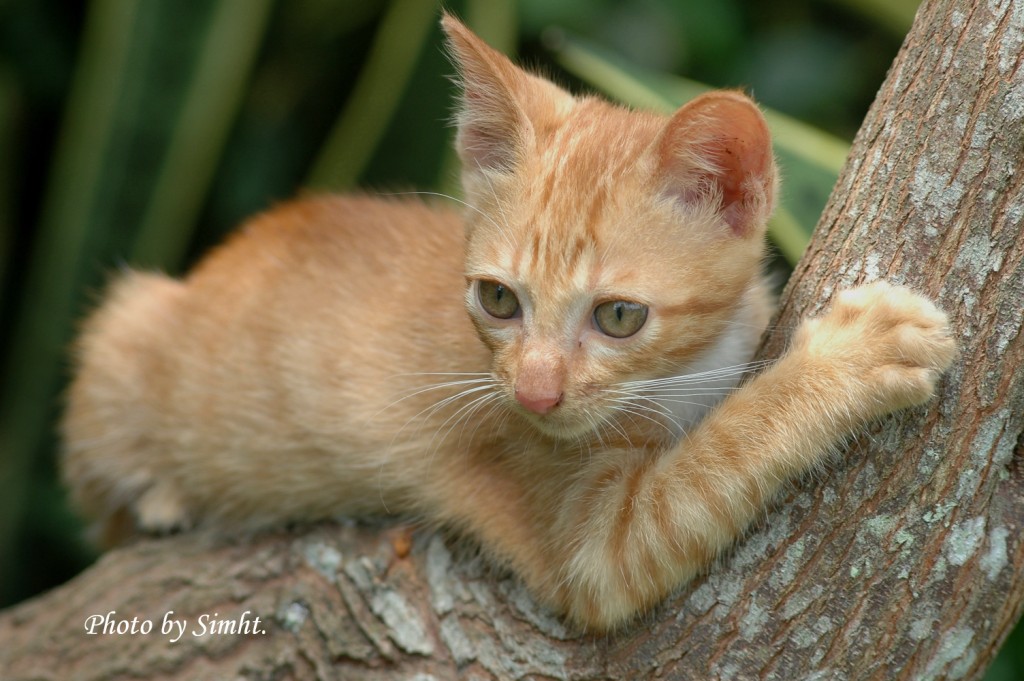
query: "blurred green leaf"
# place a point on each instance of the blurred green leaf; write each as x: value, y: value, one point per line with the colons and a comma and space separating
x: 9, y: 105
x: 495, y: 22
x: 211, y: 100
x: 895, y: 15
x: 113, y: 161
x: 788, y: 234
x: 48, y: 299
x: 341, y: 16
x: 350, y: 146
x: 810, y: 159
x: 1009, y: 663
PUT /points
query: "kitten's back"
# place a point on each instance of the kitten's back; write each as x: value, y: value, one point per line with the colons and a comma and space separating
x: 288, y: 337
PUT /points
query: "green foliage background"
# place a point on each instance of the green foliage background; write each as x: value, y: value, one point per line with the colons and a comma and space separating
x: 142, y: 131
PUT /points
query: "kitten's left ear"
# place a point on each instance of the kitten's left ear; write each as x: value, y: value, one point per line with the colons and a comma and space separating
x: 717, y: 147
x: 503, y: 109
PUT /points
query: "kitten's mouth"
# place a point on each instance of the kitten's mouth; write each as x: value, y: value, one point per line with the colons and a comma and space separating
x: 557, y: 422
x: 562, y: 430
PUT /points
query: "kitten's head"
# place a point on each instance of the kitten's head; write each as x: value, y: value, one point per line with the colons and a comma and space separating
x: 604, y: 245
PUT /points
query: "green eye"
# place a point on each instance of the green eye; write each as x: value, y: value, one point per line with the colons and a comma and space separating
x: 498, y: 300
x: 620, y: 319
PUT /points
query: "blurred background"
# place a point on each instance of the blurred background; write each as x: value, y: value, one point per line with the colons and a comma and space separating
x: 142, y: 131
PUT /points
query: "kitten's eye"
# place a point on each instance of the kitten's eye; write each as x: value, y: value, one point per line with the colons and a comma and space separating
x: 620, y: 319
x: 498, y: 300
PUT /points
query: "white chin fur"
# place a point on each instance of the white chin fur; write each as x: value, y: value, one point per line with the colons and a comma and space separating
x: 736, y: 346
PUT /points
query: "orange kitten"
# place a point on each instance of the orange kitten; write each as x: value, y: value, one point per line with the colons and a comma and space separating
x: 322, y: 362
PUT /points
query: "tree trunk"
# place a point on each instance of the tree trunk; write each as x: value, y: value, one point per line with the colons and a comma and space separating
x: 903, y: 560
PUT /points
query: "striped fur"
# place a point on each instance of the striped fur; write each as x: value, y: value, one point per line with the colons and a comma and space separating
x: 322, y: 361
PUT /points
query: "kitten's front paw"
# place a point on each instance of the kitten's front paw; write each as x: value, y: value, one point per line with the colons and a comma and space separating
x: 160, y: 509
x: 888, y: 340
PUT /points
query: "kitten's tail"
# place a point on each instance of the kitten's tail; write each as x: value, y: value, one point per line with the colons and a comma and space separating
x: 110, y: 411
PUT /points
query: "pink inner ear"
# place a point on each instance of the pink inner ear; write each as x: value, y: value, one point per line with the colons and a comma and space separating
x: 720, y: 143
x: 488, y: 132
x: 502, y: 106
x: 492, y: 124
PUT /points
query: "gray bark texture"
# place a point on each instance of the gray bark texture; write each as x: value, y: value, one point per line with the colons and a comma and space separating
x: 902, y: 560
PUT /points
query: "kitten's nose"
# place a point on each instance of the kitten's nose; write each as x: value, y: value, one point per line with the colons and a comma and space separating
x: 539, y: 404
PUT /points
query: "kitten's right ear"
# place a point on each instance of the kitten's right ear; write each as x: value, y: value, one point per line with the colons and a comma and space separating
x: 717, y: 148
x: 502, y: 108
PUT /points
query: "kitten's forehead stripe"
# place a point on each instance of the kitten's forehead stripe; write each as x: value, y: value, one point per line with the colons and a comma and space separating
x: 579, y: 248
x: 596, y: 210
x: 536, y: 246
x: 547, y: 184
x: 575, y: 184
x: 579, y: 171
x: 701, y: 306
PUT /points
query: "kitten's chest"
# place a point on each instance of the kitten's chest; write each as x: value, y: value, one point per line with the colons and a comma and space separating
x: 685, y: 398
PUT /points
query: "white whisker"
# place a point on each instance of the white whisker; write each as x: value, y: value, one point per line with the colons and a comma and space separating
x: 464, y: 412
x: 644, y: 413
x: 652, y: 399
x: 486, y: 417
x: 504, y: 218
x: 610, y: 422
x: 436, y: 386
x: 721, y: 373
x: 442, y: 195
x: 433, y: 409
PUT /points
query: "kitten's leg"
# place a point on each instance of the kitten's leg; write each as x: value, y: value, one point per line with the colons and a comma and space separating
x: 161, y: 509
x: 639, y: 527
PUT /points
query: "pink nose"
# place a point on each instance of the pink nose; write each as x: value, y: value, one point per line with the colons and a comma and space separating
x: 539, y: 404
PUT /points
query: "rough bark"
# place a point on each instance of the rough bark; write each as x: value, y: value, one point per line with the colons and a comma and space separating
x: 903, y: 560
